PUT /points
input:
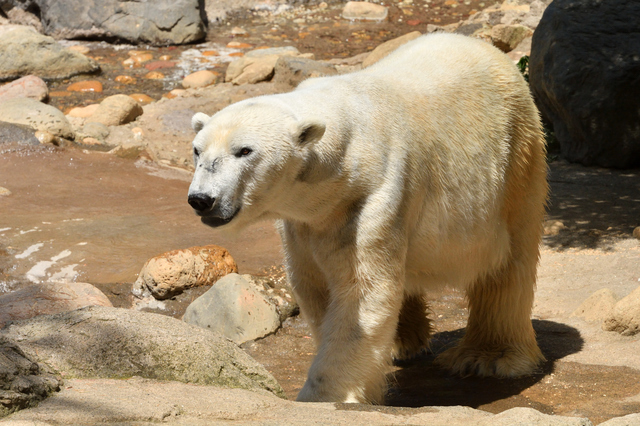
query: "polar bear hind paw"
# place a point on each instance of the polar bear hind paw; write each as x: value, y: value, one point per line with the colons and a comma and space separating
x: 508, y: 362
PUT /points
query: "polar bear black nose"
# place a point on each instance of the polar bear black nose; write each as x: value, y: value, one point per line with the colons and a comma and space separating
x: 201, y: 202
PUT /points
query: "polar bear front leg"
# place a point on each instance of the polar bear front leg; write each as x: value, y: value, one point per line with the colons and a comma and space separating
x: 357, y: 332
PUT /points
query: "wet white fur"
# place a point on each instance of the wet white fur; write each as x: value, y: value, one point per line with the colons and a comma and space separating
x: 423, y: 170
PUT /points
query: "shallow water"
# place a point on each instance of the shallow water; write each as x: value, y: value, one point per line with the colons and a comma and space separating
x: 93, y: 217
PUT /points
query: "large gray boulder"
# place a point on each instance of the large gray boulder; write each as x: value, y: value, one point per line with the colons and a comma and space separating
x: 584, y: 70
x: 24, y: 51
x: 157, y: 22
x: 101, y: 342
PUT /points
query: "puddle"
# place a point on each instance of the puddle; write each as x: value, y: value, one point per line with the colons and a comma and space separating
x: 93, y: 217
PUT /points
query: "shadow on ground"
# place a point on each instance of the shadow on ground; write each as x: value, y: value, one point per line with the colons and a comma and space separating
x: 596, y: 205
x: 420, y: 382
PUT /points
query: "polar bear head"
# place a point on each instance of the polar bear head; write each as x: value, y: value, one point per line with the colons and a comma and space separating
x: 246, y: 158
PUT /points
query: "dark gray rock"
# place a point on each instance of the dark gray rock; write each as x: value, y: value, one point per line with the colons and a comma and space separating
x: 24, y: 51
x: 102, y: 342
x: 585, y: 76
x: 23, y: 383
x: 17, y: 133
x: 291, y: 71
x: 157, y: 22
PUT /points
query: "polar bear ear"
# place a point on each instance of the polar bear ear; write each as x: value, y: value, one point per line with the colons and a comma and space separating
x: 199, y: 120
x: 310, y: 132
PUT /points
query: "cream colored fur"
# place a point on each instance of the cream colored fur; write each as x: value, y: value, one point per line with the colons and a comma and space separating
x: 426, y: 169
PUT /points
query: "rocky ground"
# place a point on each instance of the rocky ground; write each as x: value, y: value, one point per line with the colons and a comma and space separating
x: 101, y: 189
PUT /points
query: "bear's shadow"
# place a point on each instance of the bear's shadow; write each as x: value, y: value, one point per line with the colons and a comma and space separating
x: 419, y: 382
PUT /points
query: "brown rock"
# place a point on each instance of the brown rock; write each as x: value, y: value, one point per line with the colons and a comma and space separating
x: 636, y: 233
x: 363, y: 10
x: 625, y: 318
x: 116, y: 110
x: 47, y: 299
x: 141, y: 98
x: 171, y: 273
x: 83, y: 112
x: 85, y: 86
x: 26, y: 87
x: 199, y: 79
x: 389, y: 46
x: 125, y: 79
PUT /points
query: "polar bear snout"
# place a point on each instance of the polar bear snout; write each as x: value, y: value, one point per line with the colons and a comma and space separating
x: 201, y: 202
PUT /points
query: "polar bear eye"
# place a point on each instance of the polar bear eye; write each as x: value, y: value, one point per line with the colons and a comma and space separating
x: 196, y: 152
x: 244, y: 152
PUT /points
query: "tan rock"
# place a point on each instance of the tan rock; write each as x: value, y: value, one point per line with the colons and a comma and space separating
x: 389, y: 46
x: 116, y: 110
x: 239, y: 45
x: 625, y: 317
x: 522, y: 49
x: 636, y: 233
x: 597, y: 307
x: 202, y: 78
x: 507, y: 37
x: 83, y: 112
x: 553, y: 227
x: 45, y: 137
x: 47, y: 299
x: 173, y: 272
x: 362, y: 10
x: 4, y: 192
x: 251, y: 69
x: 80, y: 49
x: 129, y: 150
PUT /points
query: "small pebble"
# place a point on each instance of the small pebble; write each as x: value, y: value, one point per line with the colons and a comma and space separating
x: 238, y: 45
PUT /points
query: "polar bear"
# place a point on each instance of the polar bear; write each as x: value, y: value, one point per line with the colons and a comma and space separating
x: 423, y: 170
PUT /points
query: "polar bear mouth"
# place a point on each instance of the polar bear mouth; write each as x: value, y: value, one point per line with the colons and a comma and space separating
x: 216, y: 221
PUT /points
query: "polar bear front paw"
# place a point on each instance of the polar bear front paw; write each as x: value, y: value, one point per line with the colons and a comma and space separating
x: 502, y: 363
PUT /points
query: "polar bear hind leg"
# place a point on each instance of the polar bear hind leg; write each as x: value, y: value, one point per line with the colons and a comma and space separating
x: 499, y: 339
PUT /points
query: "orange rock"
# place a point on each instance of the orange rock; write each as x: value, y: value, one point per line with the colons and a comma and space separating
x: 173, y: 272
x: 154, y: 75
x: 210, y: 53
x: 165, y: 57
x: 238, y: 45
x: 125, y: 79
x: 174, y: 93
x: 136, y: 52
x: 236, y: 54
x: 91, y: 141
x: 141, y: 98
x: 85, y: 86
x: 199, y: 79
